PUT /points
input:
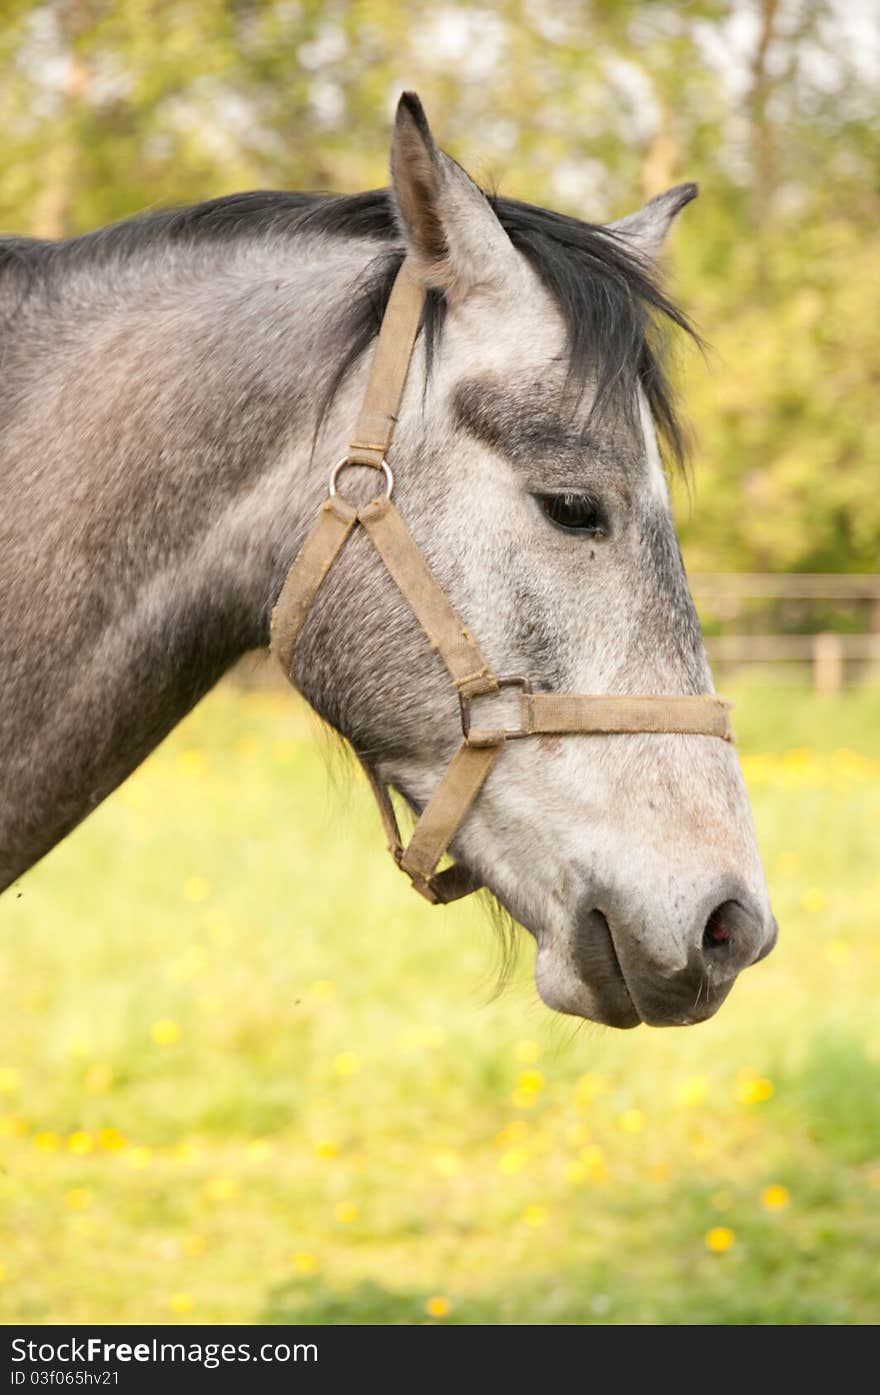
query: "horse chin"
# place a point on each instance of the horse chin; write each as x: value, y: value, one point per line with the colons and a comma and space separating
x: 602, y: 996
x: 581, y: 978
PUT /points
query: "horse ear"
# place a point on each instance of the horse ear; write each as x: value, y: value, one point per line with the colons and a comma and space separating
x: 451, y: 232
x: 648, y: 228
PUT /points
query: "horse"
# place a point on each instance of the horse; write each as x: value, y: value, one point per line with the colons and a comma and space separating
x: 175, y: 389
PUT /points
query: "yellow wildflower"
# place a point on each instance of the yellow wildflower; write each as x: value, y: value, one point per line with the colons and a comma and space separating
x: 165, y: 1032
x: 692, y: 1092
x: 775, y: 1198
x: 512, y: 1160
x: 838, y: 952
x: 78, y: 1199
x: 593, y: 1159
x: 588, y: 1087
x: 323, y: 991
x: 283, y: 752
x: 346, y: 1212
x: 534, y: 1216
x: 194, y: 761
x: 346, y: 1063
x: 511, y: 1133
x: 530, y: 1080
x: 304, y: 1262
x: 446, y: 1164
x: 181, y: 1303
x: 438, y: 1306
x: 798, y: 755
x: 814, y: 900
x: 80, y: 1143
x: 10, y: 1079
x: 221, y: 1188
x: 786, y: 864
x: 527, y: 1051
x: 326, y: 1148
x: 196, y: 889
x: 719, y: 1239
x: 753, y: 1089
x: 138, y: 1158
x: 631, y: 1121
x: 47, y: 1142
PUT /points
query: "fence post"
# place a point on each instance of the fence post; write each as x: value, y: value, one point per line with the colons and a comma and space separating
x: 827, y: 663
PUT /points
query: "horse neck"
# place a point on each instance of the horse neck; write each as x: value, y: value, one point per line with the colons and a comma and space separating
x: 154, y: 455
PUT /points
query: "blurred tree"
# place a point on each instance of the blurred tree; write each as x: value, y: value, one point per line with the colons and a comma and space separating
x: 109, y: 106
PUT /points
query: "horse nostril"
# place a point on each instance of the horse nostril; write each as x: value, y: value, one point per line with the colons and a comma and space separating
x: 718, y: 927
x: 733, y: 936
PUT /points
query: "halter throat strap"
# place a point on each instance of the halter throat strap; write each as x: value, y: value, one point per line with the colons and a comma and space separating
x: 447, y: 634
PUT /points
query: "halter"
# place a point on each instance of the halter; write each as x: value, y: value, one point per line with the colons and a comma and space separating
x: 540, y: 713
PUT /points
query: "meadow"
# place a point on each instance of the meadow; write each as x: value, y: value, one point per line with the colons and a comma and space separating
x: 247, y: 1075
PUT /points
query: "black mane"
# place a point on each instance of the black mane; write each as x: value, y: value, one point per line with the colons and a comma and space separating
x: 612, y: 304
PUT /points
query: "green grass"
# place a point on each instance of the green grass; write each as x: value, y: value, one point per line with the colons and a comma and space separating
x: 247, y: 1075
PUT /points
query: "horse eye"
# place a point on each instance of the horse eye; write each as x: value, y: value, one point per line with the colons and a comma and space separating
x: 578, y: 513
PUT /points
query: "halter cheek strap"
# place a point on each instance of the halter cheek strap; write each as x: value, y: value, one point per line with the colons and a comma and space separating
x: 447, y: 634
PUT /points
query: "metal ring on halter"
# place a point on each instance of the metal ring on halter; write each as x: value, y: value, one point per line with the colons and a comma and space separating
x: 383, y: 466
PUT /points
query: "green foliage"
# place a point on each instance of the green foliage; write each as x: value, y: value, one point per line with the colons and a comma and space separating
x: 787, y: 430
x: 110, y: 106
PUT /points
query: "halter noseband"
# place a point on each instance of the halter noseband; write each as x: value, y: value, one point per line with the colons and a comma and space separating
x: 540, y: 713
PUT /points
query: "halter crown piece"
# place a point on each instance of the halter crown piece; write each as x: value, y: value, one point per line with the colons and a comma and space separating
x: 540, y: 713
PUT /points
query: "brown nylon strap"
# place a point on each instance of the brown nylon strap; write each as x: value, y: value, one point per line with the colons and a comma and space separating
x: 397, y: 335
x: 450, y: 884
x: 390, y: 826
x: 446, y: 809
x: 546, y: 713
x: 446, y: 631
x: 313, y: 562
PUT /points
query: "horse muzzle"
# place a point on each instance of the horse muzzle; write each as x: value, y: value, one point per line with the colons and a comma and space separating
x: 620, y: 970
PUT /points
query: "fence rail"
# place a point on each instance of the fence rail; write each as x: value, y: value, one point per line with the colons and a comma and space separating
x: 769, y: 648
x: 813, y: 586
x: 828, y: 652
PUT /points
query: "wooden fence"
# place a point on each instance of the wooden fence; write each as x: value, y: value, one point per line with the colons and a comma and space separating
x: 727, y: 598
